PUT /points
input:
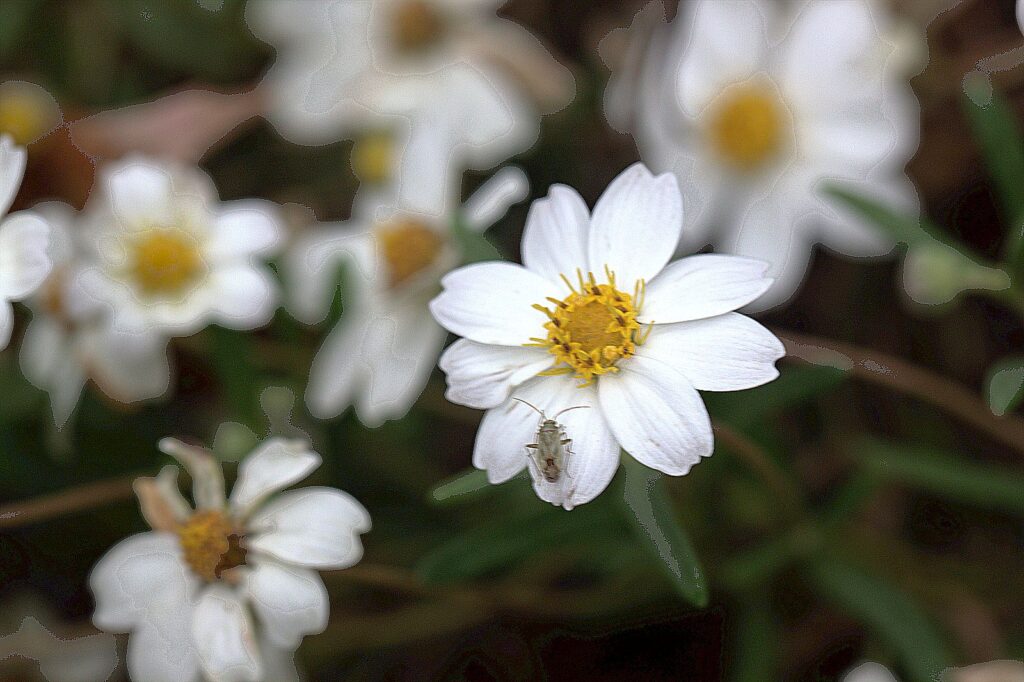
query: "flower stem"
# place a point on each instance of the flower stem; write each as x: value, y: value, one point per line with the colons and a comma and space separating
x: 65, y: 502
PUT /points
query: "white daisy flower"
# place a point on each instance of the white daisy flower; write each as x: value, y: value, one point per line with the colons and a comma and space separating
x: 471, y: 84
x: 755, y: 104
x: 598, y: 318
x: 381, y: 354
x: 170, y: 257
x: 71, y: 338
x: 24, y: 237
x: 211, y: 592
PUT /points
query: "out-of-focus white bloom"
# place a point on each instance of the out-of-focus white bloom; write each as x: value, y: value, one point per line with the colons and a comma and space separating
x: 27, y: 111
x: 599, y: 318
x: 71, y: 338
x: 993, y: 671
x: 1020, y: 14
x: 381, y: 353
x: 469, y: 85
x: 24, y: 237
x: 170, y: 258
x: 870, y: 672
x: 755, y: 104
x: 61, y: 658
x: 210, y: 593
x: 934, y: 273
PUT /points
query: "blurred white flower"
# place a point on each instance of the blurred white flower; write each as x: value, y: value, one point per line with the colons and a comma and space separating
x: 469, y: 85
x: 382, y: 351
x: 27, y: 111
x: 934, y: 273
x: 869, y: 672
x: 170, y: 258
x: 211, y: 593
x: 1020, y: 14
x: 598, y: 318
x: 755, y: 104
x: 71, y: 338
x: 24, y: 237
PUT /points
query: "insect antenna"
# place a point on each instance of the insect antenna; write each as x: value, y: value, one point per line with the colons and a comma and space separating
x: 577, y: 407
x: 531, y: 406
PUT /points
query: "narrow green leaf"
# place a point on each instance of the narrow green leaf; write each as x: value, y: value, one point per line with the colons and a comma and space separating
x: 954, y: 477
x: 894, y: 617
x: 1005, y: 385
x: 232, y: 361
x: 474, y: 245
x: 995, y: 127
x: 755, y: 656
x: 754, y: 567
x: 460, y: 488
x: 649, y: 511
x: 796, y: 385
x: 903, y: 228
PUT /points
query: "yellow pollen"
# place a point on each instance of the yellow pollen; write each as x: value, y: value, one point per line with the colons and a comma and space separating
x: 24, y: 116
x: 417, y: 25
x: 746, y: 125
x: 165, y: 261
x: 408, y: 247
x: 210, y: 544
x: 373, y: 158
x: 592, y: 328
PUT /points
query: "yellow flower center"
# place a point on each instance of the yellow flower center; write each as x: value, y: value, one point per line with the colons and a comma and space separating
x: 24, y: 117
x: 210, y: 544
x: 166, y: 261
x: 373, y: 157
x: 746, y: 125
x: 592, y: 328
x: 408, y: 247
x: 417, y: 25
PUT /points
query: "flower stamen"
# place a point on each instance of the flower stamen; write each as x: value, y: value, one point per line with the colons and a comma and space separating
x: 210, y: 544
x: 165, y: 261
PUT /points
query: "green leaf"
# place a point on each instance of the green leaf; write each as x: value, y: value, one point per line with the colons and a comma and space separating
x: 954, y: 477
x: 460, y: 488
x: 474, y: 245
x: 14, y: 19
x: 759, y: 565
x: 757, y: 643
x: 232, y: 361
x: 1005, y: 385
x: 903, y: 228
x: 995, y: 127
x: 794, y: 386
x: 650, y: 513
x: 890, y: 614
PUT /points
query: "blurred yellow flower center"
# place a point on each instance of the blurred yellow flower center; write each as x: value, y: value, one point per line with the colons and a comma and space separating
x: 746, y: 125
x: 166, y: 261
x: 417, y: 25
x: 210, y: 544
x: 23, y: 117
x: 592, y: 328
x: 373, y: 158
x: 408, y: 247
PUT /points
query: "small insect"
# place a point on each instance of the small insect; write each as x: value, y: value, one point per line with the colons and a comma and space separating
x: 550, y: 453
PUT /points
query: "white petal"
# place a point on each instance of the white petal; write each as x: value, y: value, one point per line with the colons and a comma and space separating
x: 12, y: 169
x: 730, y: 352
x: 317, y: 527
x: 338, y: 367
x: 726, y: 42
x: 636, y: 224
x: 244, y: 296
x: 555, y: 238
x: 161, y: 650
x: 492, y: 303
x: 24, y: 258
x: 245, y: 228
x: 49, y: 361
x: 656, y: 415
x: 400, y: 348
x: 126, y: 367
x: 313, y: 267
x: 703, y: 286
x: 141, y: 576
x: 276, y: 464
x: 140, y: 193
x: 225, y: 639
x: 870, y: 672
x: 6, y: 323
x: 290, y: 602
x: 591, y: 459
x: 483, y: 376
x: 488, y: 204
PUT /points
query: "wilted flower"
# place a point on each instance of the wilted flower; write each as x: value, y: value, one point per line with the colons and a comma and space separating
x: 447, y: 75
x: 71, y: 338
x: 24, y: 236
x: 212, y: 591
x: 27, y: 111
x: 170, y: 258
x: 598, y: 318
x: 755, y: 104
x: 381, y: 353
